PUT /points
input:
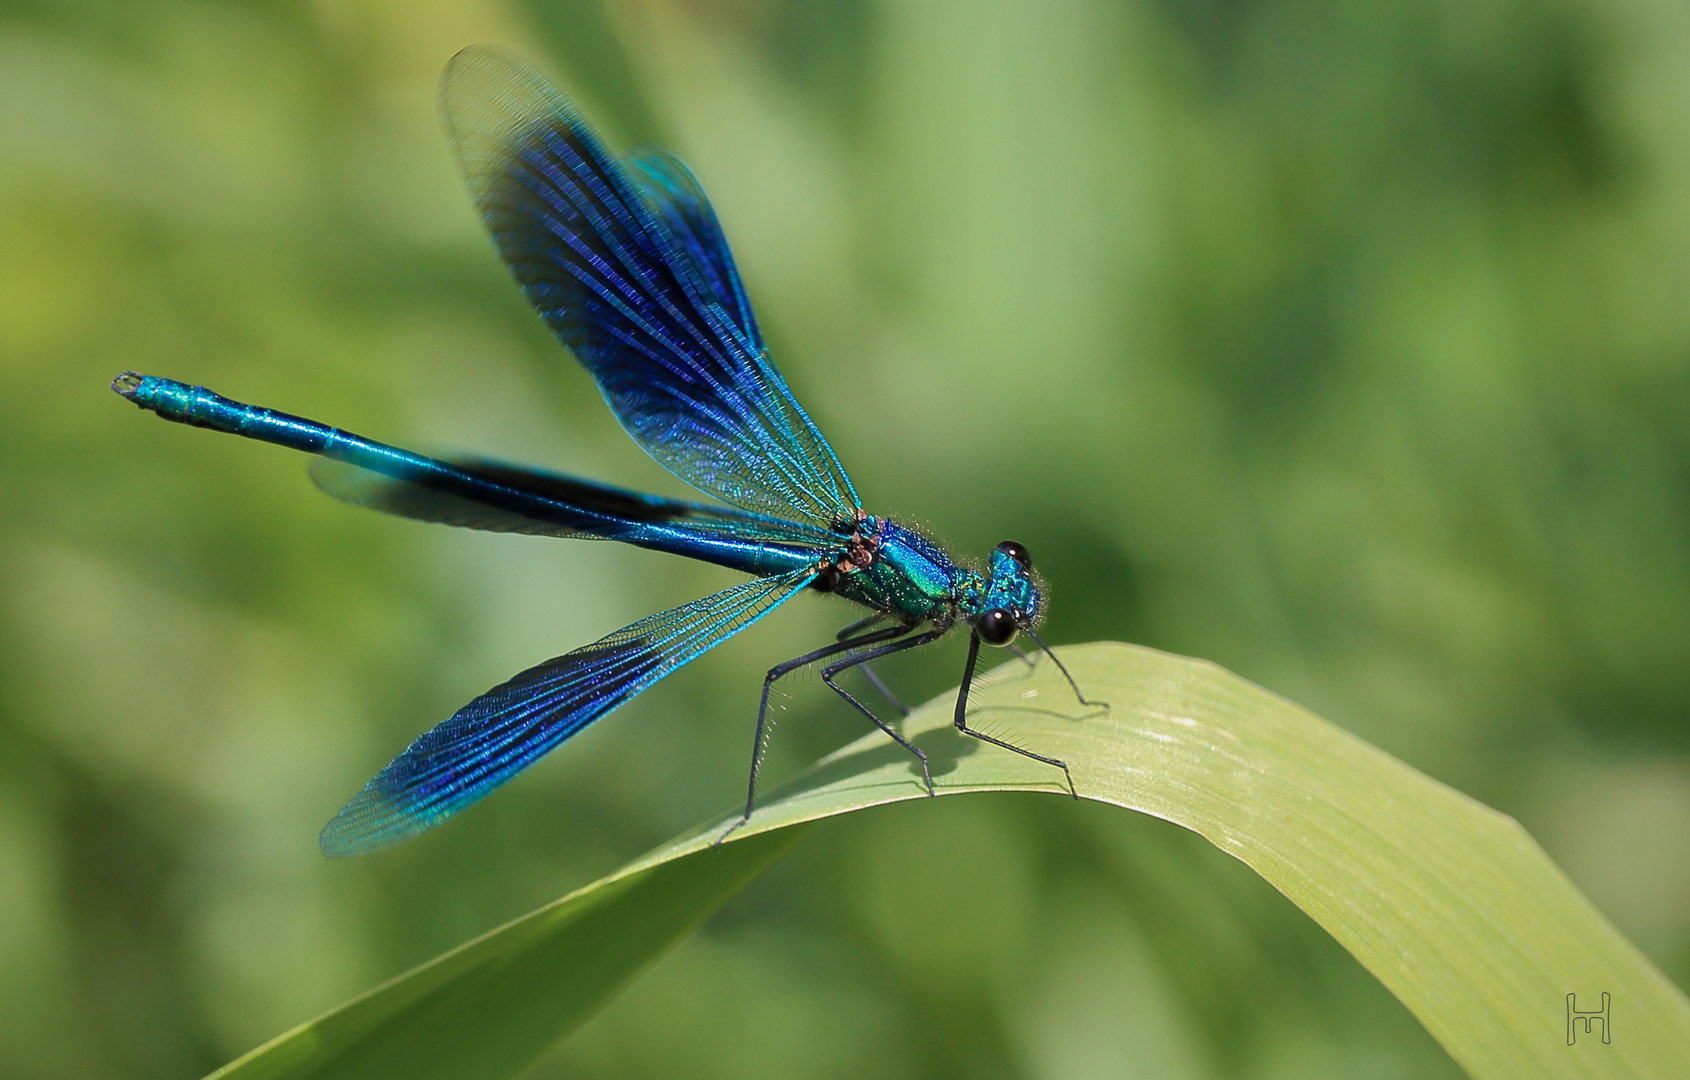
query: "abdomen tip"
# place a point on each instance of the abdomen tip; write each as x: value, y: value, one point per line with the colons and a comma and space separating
x: 128, y: 383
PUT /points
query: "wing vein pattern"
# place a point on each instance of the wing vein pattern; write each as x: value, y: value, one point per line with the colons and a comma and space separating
x: 503, y: 731
x: 500, y: 497
x: 628, y: 266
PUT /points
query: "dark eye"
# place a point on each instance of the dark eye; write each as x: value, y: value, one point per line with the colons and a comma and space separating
x: 1016, y: 552
x: 826, y: 579
x: 996, y: 627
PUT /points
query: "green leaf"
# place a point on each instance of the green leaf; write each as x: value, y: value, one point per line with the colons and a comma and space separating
x: 1449, y: 903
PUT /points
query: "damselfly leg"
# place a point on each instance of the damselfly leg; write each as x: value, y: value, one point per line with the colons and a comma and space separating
x: 961, y: 718
x: 869, y: 673
x: 759, y: 743
x: 858, y: 660
x: 1060, y: 666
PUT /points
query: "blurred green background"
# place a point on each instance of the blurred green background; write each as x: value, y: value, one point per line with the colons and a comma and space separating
x: 1346, y: 344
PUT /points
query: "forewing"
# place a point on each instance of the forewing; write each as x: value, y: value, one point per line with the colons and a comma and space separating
x: 498, y: 497
x: 677, y: 199
x: 505, y: 730
x: 655, y: 314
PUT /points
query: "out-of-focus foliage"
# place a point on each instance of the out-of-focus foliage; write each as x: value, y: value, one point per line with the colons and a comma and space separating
x: 1345, y: 344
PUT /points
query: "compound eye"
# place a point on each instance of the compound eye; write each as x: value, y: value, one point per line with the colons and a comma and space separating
x: 826, y: 579
x: 1016, y: 552
x: 996, y: 627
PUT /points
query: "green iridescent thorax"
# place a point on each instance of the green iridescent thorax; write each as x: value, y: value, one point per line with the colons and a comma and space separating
x: 1011, y: 587
x: 910, y: 576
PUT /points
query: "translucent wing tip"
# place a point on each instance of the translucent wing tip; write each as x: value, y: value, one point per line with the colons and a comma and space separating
x: 490, y: 100
x: 373, y: 820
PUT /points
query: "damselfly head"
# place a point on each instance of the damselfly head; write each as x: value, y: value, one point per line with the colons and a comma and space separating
x: 1017, y: 552
x: 1012, y: 599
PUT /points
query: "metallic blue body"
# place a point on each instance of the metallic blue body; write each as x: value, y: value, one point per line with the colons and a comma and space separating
x: 626, y: 262
x: 498, y: 496
x: 1010, y: 587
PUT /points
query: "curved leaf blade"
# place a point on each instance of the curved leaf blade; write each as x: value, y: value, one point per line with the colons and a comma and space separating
x: 1449, y: 903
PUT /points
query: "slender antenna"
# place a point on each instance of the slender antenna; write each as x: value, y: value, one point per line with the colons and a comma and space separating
x: 1064, y: 669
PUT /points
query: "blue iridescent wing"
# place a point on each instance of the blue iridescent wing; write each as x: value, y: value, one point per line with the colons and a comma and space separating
x: 634, y: 277
x: 500, y: 497
x: 507, y: 729
x: 676, y: 197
